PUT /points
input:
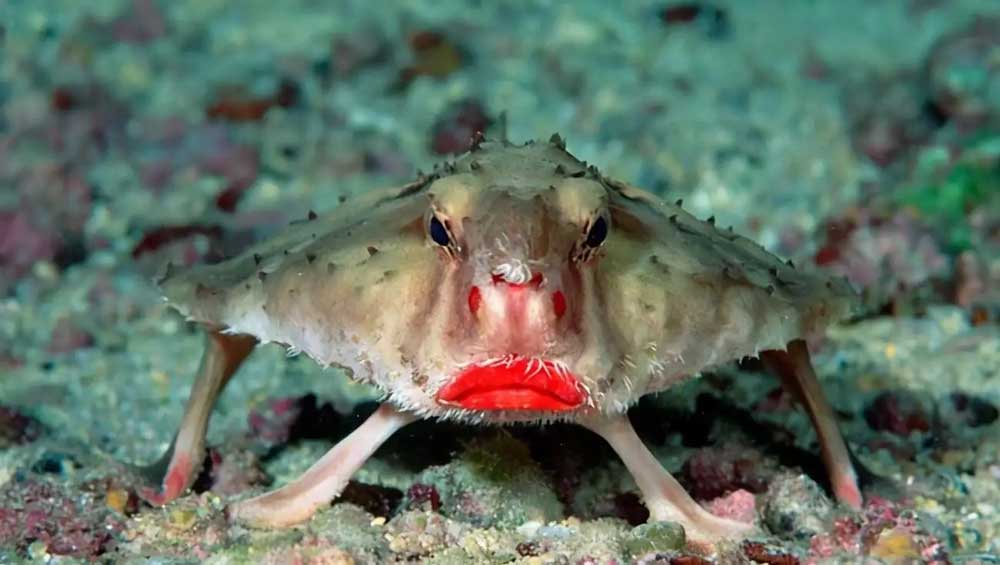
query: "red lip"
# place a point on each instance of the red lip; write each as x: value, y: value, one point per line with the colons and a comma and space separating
x: 521, y: 384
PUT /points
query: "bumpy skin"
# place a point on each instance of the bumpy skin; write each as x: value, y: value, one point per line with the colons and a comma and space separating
x: 366, y: 288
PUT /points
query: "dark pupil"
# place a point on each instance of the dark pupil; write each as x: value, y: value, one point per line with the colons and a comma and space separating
x: 438, y: 233
x: 598, y: 231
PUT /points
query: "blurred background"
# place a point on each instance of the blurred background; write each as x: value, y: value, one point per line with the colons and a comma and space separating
x: 859, y: 137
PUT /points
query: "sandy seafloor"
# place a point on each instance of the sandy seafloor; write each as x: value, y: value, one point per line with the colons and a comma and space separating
x: 859, y: 135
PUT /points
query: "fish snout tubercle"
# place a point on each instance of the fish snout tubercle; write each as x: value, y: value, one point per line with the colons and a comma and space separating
x: 512, y: 293
x: 514, y: 383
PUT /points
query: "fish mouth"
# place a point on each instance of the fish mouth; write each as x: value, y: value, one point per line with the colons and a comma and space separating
x: 514, y: 383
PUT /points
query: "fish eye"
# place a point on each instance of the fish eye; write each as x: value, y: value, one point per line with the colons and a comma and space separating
x: 438, y: 232
x: 598, y: 232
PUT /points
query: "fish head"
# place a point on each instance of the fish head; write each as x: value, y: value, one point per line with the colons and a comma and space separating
x: 519, y: 245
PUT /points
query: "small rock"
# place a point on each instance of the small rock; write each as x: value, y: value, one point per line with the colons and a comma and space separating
x: 283, y: 420
x: 182, y: 518
x: 434, y: 55
x: 528, y: 549
x: 414, y: 533
x: 886, y: 255
x: 121, y: 500
x: 420, y: 494
x: 63, y: 99
x: 969, y: 282
x: 356, y: 50
x: 161, y: 236
x: 239, y: 166
x: 963, y: 410
x: 22, y: 245
x: 16, y: 428
x: 143, y: 22
x: 67, y: 336
x: 897, y: 412
x: 454, y: 131
x: 888, y: 117
x: 896, y: 544
x: 272, y: 423
x: 654, y: 537
x: 761, y: 553
x: 739, y: 505
x: 55, y: 463
x: 236, y: 106
x: 796, y: 507
x: 713, y: 20
x: 233, y: 471
x: 712, y: 472
x: 961, y: 72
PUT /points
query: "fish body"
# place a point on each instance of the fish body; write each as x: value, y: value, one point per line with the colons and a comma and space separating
x: 515, y: 284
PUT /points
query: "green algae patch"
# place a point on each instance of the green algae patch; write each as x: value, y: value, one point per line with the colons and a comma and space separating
x: 970, y: 184
x: 352, y: 529
x: 500, y: 459
x: 495, y: 482
x: 654, y: 537
x: 341, y: 534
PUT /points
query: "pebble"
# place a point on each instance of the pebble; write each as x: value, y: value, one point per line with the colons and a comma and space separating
x: 182, y: 518
x: 654, y: 537
x: 117, y: 499
x: 967, y: 410
x: 896, y: 545
x: 796, y: 507
x: 898, y: 412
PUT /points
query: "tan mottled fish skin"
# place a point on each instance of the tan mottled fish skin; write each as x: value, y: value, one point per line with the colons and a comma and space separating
x: 365, y: 288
